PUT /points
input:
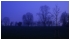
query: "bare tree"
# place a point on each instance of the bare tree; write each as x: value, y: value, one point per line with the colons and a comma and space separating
x: 6, y: 21
x: 64, y: 18
x: 43, y: 14
x: 16, y: 23
x: 1, y: 23
x: 11, y: 24
x: 19, y: 23
x: 56, y: 12
x: 49, y: 20
x: 28, y: 18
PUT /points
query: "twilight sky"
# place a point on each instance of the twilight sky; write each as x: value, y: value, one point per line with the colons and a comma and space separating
x: 16, y: 9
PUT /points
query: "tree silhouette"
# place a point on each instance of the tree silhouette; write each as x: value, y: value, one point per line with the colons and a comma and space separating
x: 67, y: 24
x: 28, y: 18
x: 43, y: 14
x: 6, y: 21
x: 64, y: 19
x: 19, y: 23
x: 11, y: 24
x: 1, y: 23
x: 49, y: 22
x: 56, y: 12
x: 16, y: 24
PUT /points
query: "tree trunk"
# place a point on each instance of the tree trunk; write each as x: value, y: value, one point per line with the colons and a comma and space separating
x: 56, y: 20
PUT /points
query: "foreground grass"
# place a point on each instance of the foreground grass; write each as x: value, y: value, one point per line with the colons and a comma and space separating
x: 15, y: 32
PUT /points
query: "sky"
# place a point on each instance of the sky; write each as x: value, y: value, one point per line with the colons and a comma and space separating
x: 16, y: 9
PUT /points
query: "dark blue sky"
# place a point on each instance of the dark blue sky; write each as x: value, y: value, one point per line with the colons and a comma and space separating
x: 15, y: 10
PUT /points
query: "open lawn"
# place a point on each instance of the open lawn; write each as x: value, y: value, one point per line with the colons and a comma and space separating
x: 16, y: 32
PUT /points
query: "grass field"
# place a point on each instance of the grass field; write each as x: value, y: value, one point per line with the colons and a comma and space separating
x: 15, y: 32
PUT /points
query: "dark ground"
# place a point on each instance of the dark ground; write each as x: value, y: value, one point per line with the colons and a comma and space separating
x: 12, y: 32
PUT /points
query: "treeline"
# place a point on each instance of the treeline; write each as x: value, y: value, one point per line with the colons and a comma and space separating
x: 46, y: 18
